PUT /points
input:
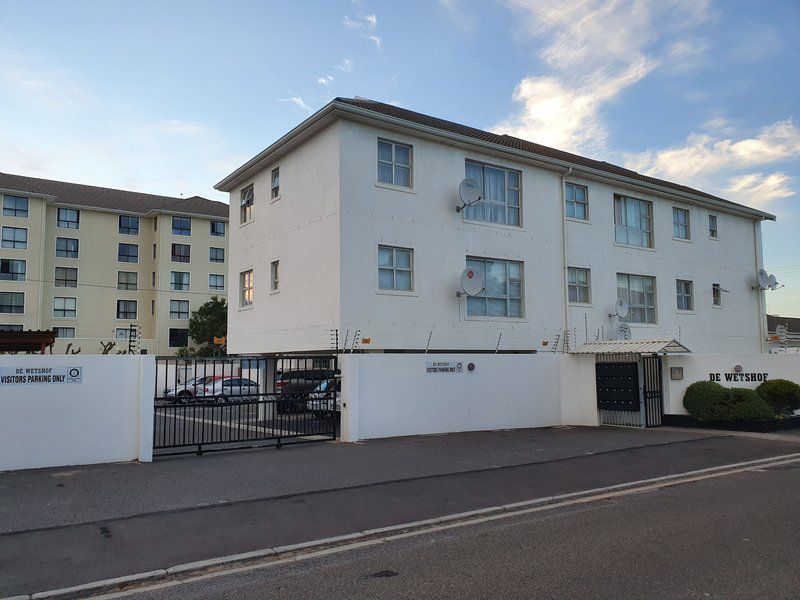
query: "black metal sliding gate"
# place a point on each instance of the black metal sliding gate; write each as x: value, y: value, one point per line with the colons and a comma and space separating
x: 629, y: 390
x: 206, y: 404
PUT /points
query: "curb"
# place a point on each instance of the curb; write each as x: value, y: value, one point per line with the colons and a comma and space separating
x: 322, y: 547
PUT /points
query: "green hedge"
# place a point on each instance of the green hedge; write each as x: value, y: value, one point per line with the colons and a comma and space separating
x: 709, y: 401
x: 781, y: 394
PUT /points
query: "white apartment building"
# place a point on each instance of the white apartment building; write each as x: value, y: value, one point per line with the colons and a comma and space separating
x: 90, y: 262
x: 349, y: 223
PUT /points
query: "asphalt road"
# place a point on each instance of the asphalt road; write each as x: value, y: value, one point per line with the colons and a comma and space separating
x: 736, y: 536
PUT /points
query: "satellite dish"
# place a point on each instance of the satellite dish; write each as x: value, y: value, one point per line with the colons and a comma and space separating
x: 763, y: 279
x: 772, y: 282
x: 471, y: 282
x: 621, y: 308
x: 469, y: 190
x: 623, y: 331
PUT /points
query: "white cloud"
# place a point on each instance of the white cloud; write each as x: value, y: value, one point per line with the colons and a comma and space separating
x: 371, y: 20
x: 375, y: 40
x: 325, y: 80
x: 757, y: 189
x: 346, y: 65
x: 298, y: 102
x: 350, y: 23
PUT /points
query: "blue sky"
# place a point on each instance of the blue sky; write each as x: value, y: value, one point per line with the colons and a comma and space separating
x: 168, y: 97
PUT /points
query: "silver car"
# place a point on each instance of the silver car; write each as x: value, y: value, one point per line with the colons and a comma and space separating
x: 232, y: 389
x: 189, y: 389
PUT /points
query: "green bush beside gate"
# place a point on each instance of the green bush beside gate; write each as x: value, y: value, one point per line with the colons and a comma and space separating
x: 709, y: 401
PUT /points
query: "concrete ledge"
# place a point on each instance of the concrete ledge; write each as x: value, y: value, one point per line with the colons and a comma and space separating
x: 214, y: 562
x: 95, y: 587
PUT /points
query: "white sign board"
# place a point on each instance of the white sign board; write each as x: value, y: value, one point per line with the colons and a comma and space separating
x: 444, y: 367
x: 40, y: 375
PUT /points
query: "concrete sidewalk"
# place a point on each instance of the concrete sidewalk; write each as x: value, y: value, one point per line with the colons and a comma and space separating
x: 325, y: 490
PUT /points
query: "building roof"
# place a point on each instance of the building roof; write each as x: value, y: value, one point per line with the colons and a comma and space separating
x: 792, y: 323
x: 532, y: 150
x: 90, y: 196
x: 632, y: 347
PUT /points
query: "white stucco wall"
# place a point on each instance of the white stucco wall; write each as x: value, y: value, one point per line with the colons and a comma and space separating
x: 700, y: 367
x: 108, y: 417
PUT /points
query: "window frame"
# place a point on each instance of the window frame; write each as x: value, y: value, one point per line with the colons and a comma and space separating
x: 246, y: 202
x: 127, y: 318
x: 66, y: 224
x: 14, y: 275
x: 212, y: 233
x: 188, y: 256
x: 65, y: 309
x: 578, y: 285
x: 185, y: 331
x: 128, y: 230
x: 179, y: 312
x: 275, y: 183
x: 12, y: 211
x: 66, y: 252
x: 713, y: 231
x: 676, y: 224
x: 65, y: 280
x: 250, y: 276
x: 394, y: 164
x: 15, y: 243
x: 682, y: 294
x: 508, y: 297
x: 216, y: 289
x: 211, y: 260
x: 64, y: 337
x: 181, y: 230
x: 119, y: 253
x: 634, y: 306
x: 620, y: 199
x: 135, y: 287
x: 274, y: 275
x: 181, y: 289
x: 716, y: 295
x: 487, y: 205
x: 575, y: 202
x: 13, y: 304
x: 394, y: 269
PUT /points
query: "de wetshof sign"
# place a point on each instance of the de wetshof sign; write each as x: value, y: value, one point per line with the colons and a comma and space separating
x: 40, y: 375
x: 738, y: 376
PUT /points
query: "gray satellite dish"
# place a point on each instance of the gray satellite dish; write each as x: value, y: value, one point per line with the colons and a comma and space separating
x: 621, y: 308
x: 772, y: 282
x: 469, y: 190
x: 471, y: 282
x: 763, y: 279
x: 623, y: 331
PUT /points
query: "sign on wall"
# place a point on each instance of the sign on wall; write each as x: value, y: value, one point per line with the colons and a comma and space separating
x: 40, y: 375
x: 444, y: 367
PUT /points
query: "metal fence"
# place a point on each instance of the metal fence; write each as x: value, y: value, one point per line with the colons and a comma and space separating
x: 205, y: 404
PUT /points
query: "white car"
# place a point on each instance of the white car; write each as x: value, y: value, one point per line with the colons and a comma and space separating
x: 190, y: 388
x: 320, y: 400
x: 231, y: 389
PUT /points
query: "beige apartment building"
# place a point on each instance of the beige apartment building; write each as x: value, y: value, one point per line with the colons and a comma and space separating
x: 92, y: 262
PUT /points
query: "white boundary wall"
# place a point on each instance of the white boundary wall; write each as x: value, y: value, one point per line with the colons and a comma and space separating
x: 699, y: 367
x: 386, y: 395
x: 108, y: 417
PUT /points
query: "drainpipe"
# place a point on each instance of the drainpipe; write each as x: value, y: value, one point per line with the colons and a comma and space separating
x: 565, y: 267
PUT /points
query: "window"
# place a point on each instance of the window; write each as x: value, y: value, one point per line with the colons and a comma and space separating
x: 179, y: 281
x: 274, y: 278
x: 66, y: 277
x: 12, y: 303
x: 578, y: 285
x: 126, y: 309
x: 640, y: 293
x: 69, y: 218
x: 394, y: 163
x: 246, y: 200
x: 122, y: 333
x: 633, y: 222
x: 15, y: 237
x: 12, y: 269
x: 9, y: 327
x: 64, y: 332
x: 153, y: 279
x: 216, y: 255
x: 395, y: 269
x: 15, y: 206
x: 680, y: 223
x: 181, y: 252
x: 155, y: 251
x: 246, y: 288
x: 178, y: 338
x: 178, y: 309
x: 502, y: 296
x: 181, y: 226
x: 712, y: 226
x: 218, y: 228
x: 501, y: 197
x: 216, y: 282
x: 66, y: 247
x: 152, y: 307
x: 128, y: 253
x: 127, y: 280
x: 128, y: 225
x: 577, y: 201
x: 65, y: 307
x: 684, y: 294
x: 275, y: 186
x: 716, y: 294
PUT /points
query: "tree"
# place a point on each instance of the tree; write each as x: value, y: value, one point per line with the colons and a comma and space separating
x: 207, y: 322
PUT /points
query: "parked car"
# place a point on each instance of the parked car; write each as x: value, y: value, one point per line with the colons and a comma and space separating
x: 232, y: 389
x: 188, y: 390
x: 321, y: 401
x: 294, y: 386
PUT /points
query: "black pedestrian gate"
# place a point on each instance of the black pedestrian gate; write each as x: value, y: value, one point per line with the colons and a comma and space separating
x: 629, y: 390
x: 206, y: 404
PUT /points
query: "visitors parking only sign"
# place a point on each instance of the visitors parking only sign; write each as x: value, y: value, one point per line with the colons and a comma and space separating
x: 40, y: 375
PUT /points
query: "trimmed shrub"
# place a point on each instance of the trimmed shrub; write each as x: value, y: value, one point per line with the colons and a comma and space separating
x: 781, y: 394
x: 747, y: 405
x: 707, y: 401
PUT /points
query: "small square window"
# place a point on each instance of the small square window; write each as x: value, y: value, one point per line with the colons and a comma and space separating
x: 578, y: 285
x: 179, y: 281
x: 178, y: 338
x: 64, y: 332
x: 216, y: 255
x: 12, y: 269
x: 66, y: 247
x: 12, y: 303
x: 14, y: 237
x: 66, y: 277
x: 633, y: 222
x: 127, y: 280
x: 395, y: 268
x: 15, y: 206
x: 69, y: 218
x: 685, y: 298
x: 128, y: 253
x: 218, y: 228
x: 181, y: 253
x: 394, y: 163
x: 126, y: 309
x: 216, y: 282
x: 128, y: 225
x: 577, y: 199
x: 181, y: 226
x: 65, y: 307
x: 178, y: 309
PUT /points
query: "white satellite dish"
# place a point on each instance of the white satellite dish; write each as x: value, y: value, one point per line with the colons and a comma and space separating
x: 469, y: 190
x: 623, y: 331
x: 763, y: 279
x: 772, y: 282
x: 621, y: 308
x: 471, y: 282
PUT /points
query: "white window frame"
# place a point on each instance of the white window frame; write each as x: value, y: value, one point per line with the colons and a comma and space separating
x: 16, y: 260
x: 15, y: 210
x: 172, y: 254
x: 126, y: 289
x: 678, y: 227
x: 211, y: 228
x: 621, y: 222
x: 55, y: 276
x: 246, y: 202
x: 573, y: 282
x: 59, y: 220
x: 216, y: 289
x: 275, y: 183
x: 64, y: 337
x: 470, y: 212
x: 635, y: 306
x: 172, y: 283
x: 128, y: 262
x: 274, y: 275
x: 136, y: 310
x: 180, y: 229
x: 181, y: 304
x: 75, y: 316
x: 508, y: 297
x: 684, y: 292
x: 77, y: 252
x: 394, y: 269
x: 713, y: 230
x: 119, y: 225
x: 14, y: 240
x: 716, y: 295
x: 575, y: 202
x: 24, y: 302
x: 216, y: 262
x: 125, y: 331
x: 248, y: 275
x: 394, y: 164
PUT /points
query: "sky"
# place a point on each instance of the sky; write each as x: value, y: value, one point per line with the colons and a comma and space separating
x: 168, y: 97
